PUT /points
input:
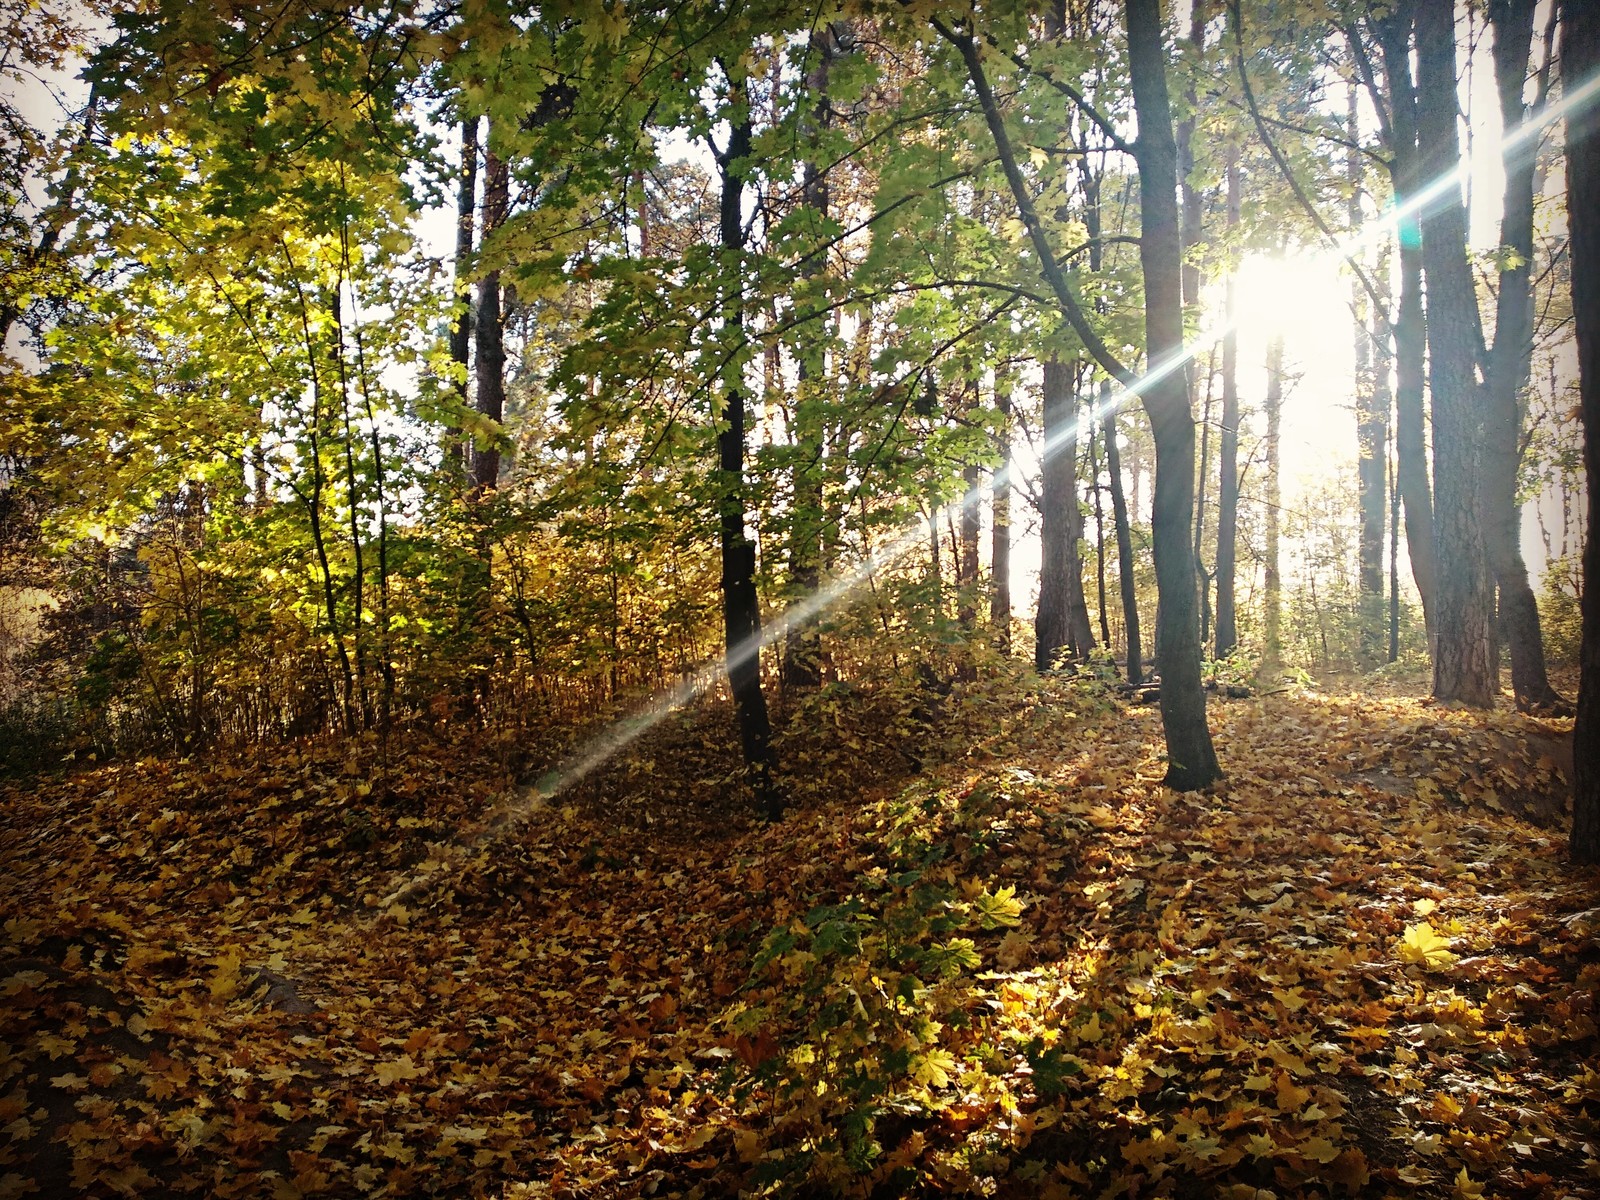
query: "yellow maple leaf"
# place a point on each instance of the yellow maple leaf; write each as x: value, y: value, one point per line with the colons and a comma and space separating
x: 1425, y: 946
x: 392, y: 1072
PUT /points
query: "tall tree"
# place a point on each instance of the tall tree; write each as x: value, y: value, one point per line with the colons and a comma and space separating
x: 1580, y: 64
x: 1393, y: 25
x: 461, y: 331
x: 741, y: 605
x: 1509, y: 368
x: 1463, y: 668
x: 1191, y: 759
x: 1372, y: 413
x: 1062, y: 623
x: 1164, y: 391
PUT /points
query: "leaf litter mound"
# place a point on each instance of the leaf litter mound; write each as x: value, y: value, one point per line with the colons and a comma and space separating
x: 1360, y: 967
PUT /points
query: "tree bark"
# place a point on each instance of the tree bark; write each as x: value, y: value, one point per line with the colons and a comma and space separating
x: 1580, y: 60
x: 1410, y: 331
x: 1191, y: 758
x: 1509, y: 368
x: 741, y: 605
x: 491, y: 348
x: 1463, y: 667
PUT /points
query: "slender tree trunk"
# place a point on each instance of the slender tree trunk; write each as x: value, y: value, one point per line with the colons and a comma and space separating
x: 1463, y: 669
x: 455, y: 451
x: 1228, y: 483
x: 491, y: 326
x: 1510, y: 365
x: 802, y: 658
x: 1410, y: 331
x: 1124, y: 532
x: 1000, y: 550
x: 1191, y: 759
x: 1203, y: 593
x: 1371, y: 423
x: 1272, y: 651
x: 1580, y: 60
x: 1099, y: 543
x: 741, y: 605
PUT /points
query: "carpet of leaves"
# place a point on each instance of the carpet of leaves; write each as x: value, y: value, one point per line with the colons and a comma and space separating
x: 1359, y: 967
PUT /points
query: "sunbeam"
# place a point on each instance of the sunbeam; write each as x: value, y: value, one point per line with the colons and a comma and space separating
x: 618, y: 736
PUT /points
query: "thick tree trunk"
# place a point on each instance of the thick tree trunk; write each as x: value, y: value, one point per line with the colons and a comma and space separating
x: 1000, y: 548
x: 1410, y: 331
x: 741, y: 605
x: 1580, y: 60
x: 1228, y: 482
x: 1509, y: 368
x: 1191, y: 759
x: 491, y: 401
x: 455, y: 451
x: 1463, y: 668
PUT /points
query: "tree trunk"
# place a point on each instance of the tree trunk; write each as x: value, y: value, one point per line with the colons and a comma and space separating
x: 1099, y: 534
x: 741, y: 605
x: 455, y: 451
x: 1057, y: 629
x: 1228, y: 482
x: 1191, y: 759
x: 1580, y: 60
x: 491, y: 326
x: 1463, y: 667
x: 1272, y: 650
x: 1371, y: 432
x: 1124, y: 530
x: 1509, y: 368
x: 1000, y: 549
x: 1410, y: 332
x: 802, y: 658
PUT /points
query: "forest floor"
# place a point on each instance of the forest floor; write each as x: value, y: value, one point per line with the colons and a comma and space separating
x: 1360, y: 966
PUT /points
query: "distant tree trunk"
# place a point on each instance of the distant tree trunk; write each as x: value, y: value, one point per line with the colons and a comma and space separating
x: 1580, y: 60
x: 1410, y: 331
x: 1203, y: 593
x: 1228, y: 483
x: 1000, y: 550
x: 741, y: 605
x: 455, y: 451
x: 1371, y: 431
x: 1099, y: 534
x: 1057, y: 626
x: 1463, y: 669
x: 1509, y: 369
x: 1124, y: 531
x: 1272, y: 651
x: 1191, y: 759
x: 491, y: 326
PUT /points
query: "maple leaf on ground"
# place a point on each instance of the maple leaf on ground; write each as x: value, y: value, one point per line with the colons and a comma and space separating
x: 1424, y: 946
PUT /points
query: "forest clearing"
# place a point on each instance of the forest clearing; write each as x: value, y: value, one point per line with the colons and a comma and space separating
x: 870, y: 598
x: 1358, y: 967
